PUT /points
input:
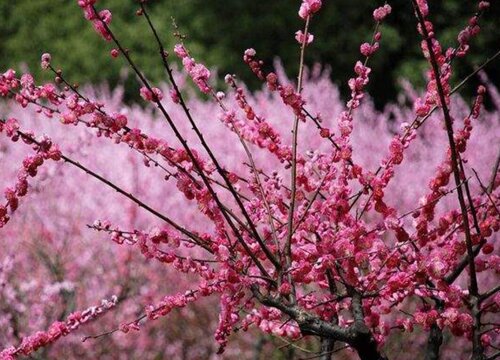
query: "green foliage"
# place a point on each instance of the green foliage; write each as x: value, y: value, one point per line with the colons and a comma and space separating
x: 219, y: 31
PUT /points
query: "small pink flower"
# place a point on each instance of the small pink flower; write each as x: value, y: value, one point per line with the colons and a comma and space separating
x: 174, y: 95
x: 365, y: 49
x: 299, y: 36
x: 200, y: 74
x: 154, y: 95
x: 285, y: 289
x: 483, y: 5
x: 309, y: 7
x: 101, y: 22
x: 45, y: 61
x: 180, y: 51
x: 486, y: 340
x: 381, y: 13
x: 11, y: 126
x: 421, y: 108
x: 437, y: 268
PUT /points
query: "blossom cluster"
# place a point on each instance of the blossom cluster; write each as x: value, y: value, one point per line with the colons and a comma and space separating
x: 45, y: 150
x: 309, y: 7
x: 40, y: 339
x: 198, y: 72
x: 100, y: 20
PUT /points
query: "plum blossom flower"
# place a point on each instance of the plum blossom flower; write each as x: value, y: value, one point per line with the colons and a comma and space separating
x: 299, y: 36
x: 381, y: 13
x: 152, y: 95
x: 45, y: 61
x: 309, y: 7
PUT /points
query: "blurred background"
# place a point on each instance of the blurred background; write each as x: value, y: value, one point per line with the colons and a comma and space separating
x: 219, y: 31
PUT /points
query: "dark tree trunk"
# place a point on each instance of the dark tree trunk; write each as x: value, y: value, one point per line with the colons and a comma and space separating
x: 477, y: 346
x: 326, y: 349
x: 367, y: 348
x: 259, y: 345
x: 434, y: 343
x: 435, y: 339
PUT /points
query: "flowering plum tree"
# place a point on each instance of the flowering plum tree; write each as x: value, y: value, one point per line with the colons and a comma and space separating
x: 351, y: 238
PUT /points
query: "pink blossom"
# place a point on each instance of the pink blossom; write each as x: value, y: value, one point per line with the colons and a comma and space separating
x: 198, y: 72
x: 45, y: 61
x: 180, y: 51
x: 309, y: 7
x: 381, y: 13
x: 299, y: 36
x: 152, y: 95
x: 200, y: 75
x: 174, y: 95
x: 99, y: 21
x: 483, y: 5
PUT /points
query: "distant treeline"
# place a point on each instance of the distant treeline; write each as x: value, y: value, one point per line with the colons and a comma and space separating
x: 219, y: 31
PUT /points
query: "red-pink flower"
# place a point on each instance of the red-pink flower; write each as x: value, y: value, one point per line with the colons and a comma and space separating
x: 309, y: 7
x: 381, y: 13
x: 300, y: 37
x: 152, y: 95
